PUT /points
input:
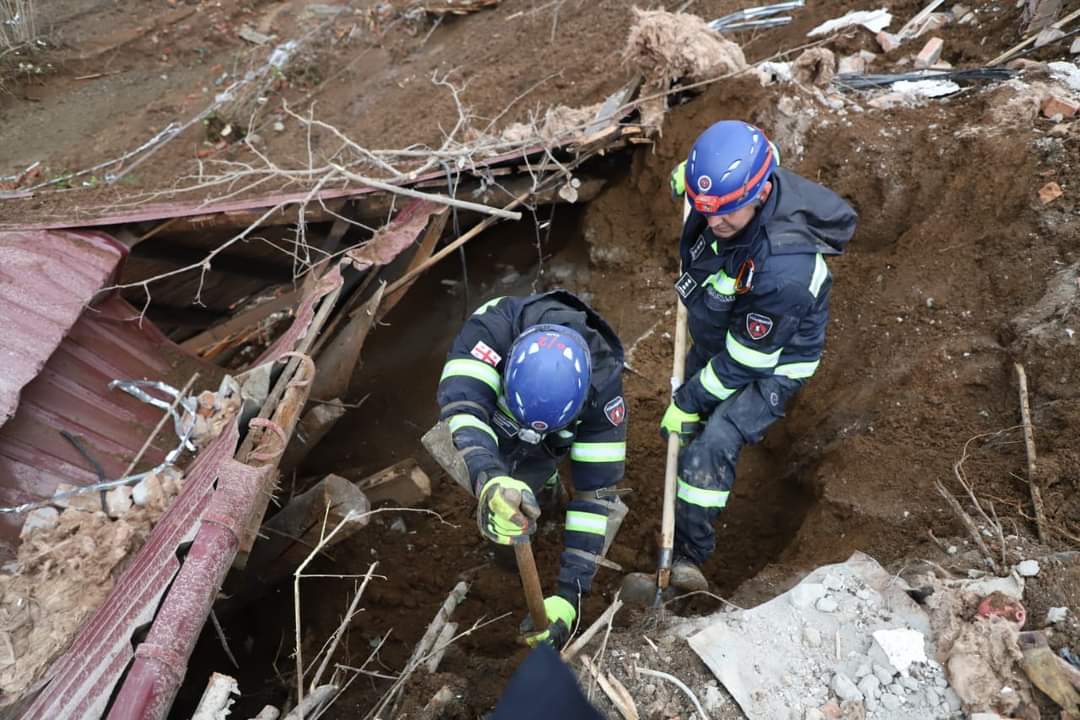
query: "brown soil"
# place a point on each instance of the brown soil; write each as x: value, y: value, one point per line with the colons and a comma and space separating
x: 952, y: 246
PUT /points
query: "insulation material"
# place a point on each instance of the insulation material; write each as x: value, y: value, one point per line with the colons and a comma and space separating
x: 558, y: 125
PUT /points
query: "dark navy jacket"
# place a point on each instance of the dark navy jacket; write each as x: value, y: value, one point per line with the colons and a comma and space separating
x: 770, y: 318
x: 470, y: 392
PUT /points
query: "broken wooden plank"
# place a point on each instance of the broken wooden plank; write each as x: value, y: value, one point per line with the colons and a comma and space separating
x: 405, y: 484
x: 338, y: 360
x: 241, y: 322
x: 319, y: 419
x: 217, y: 698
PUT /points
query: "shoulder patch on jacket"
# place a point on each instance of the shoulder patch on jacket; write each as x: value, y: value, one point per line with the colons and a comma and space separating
x: 615, y: 411
x: 758, y: 326
x: 483, y: 353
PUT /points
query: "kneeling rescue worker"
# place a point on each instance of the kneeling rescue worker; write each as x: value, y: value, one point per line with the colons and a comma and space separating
x: 527, y: 381
x: 756, y: 288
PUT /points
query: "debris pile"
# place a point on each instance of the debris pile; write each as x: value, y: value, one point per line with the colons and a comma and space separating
x: 65, y: 567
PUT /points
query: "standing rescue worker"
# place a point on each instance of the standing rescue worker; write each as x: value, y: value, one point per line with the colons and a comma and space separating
x: 528, y: 381
x: 756, y: 288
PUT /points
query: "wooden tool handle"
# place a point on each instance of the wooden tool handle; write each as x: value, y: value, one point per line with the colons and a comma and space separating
x: 530, y: 583
x: 667, y: 527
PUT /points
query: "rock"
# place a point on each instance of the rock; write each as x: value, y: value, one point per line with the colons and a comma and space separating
x: 870, y: 687
x: 279, y: 126
x: 1048, y: 35
x: 863, y: 594
x: 909, y: 683
x: 900, y: 647
x: 813, y: 714
x: 806, y: 594
x: 45, y: 517
x: 851, y: 65
x: 833, y: 582
x: 826, y: 605
x: 883, y: 674
x: 1028, y: 568
x: 953, y: 700
x: 985, y: 716
x: 1056, y: 615
x: 831, y: 710
x: 811, y: 637
x: 1074, y: 49
x: 118, y: 500
x: 891, y: 702
x: 148, y: 492
x: 1048, y: 193
x: 887, y: 41
x: 398, y: 525
x: 853, y: 710
x: 1056, y: 107
x: 89, y: 502
x: 863, y: 670
x: 714, y: 699
x: 844, y: 688
x: 930, y: 53
x: 816, y: 66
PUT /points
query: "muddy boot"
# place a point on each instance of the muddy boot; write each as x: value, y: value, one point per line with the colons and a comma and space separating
x: 687, y: 577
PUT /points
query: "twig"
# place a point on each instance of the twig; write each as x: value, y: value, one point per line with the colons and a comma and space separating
x: 1029, y: 445
x: 161, y: 423
x: 312, y: 702
x: 430, y: 197
x: 622, y: 701
x: 677, y: 683
x: 969, y: 524
x: 222, y: 639
x: 349, y: 614
x: 604, y: 619
x: 714, y: 596
x: 441, y: 618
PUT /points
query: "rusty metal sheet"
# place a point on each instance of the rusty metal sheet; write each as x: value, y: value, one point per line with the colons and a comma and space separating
x: 70, y: 393
x: 46, y: 279
x: 391, y: 240
x: 80, y: 683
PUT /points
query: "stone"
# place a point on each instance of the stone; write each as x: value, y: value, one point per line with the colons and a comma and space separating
x: 985, y: 716
x: 1056, y: 615
x: 1074, y: 49
x: 714, y: 699
x: 1048, y: 193
x: 844, y: 688
x: 833, y: 582
x: 900, y: 647
x: 1055, y: 106
x: 804, y: 594
x: 1048, y: 35
x: 826, y: 605
x: 279, y: 126
x: 887, y: 41
x: 953, y: 700
x: 883, y: 674
x: 863, y: 594
x: 930, y: 53
x: 890, y: 702
x: 46, y: 517
x: 118, y: 500
x: 398, y: 525
x: 831, y: 710
x: 811, y: 637
x: 87, y: 502
x: 813, y: 714
x: 870, y: 687
x: 863, y: 670
x: 909, y: 683
x: 148, y: 492
x: 851, y: 65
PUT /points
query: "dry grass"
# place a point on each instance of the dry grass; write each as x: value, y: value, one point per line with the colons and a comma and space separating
x: 17, y: 26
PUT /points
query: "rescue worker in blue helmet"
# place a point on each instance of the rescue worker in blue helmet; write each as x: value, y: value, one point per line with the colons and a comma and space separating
x: 528, y: 381
x: 755, y: 283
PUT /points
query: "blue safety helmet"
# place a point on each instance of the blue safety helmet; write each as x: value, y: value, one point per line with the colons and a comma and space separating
x: 728, y: 166
x: 547, y: 376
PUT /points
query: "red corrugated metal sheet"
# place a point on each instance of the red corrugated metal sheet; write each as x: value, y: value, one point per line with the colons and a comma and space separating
x: 71, y: 394
x: 46, y: 279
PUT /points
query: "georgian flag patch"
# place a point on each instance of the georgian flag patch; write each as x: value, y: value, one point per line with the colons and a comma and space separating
x: 615, y: 411
x: 758, y: 326
x: 485, y: 354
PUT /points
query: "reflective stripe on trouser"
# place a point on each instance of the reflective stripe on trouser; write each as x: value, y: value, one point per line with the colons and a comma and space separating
x: 707, y: 465
x: 583, y: 540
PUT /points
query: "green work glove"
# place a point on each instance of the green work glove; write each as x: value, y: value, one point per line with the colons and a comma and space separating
x: 678, y: 181
x: 506, y: 509
x: 560, y: 614
x: 684, y: 424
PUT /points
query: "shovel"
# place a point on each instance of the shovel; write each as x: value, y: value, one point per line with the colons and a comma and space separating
x: 648, y: 588
x: 439, y: 443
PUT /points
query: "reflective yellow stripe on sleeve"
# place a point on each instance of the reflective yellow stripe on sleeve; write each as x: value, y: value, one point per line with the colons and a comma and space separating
x: 598, y: 452
x: 797, y: 371
x: 457, y: 422
x: 464, y: 367
x: 749, y: 356
x: 712, y: 383
x: 700, y: 496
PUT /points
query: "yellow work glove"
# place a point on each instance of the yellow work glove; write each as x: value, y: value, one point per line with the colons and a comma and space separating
x: 684, y: 424
x: 560, y: 614
x: 506, y: 509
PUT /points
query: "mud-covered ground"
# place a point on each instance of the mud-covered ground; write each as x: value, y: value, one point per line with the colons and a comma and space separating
x: 932, y: 304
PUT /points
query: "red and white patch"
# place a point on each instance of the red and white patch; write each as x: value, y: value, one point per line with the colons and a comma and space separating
x: 483, y: 353
x: 758, y: 326
x: 615, y: 411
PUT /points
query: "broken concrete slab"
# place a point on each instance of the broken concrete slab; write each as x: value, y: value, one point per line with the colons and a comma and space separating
x: 767, y: 659
x: 900, y: 648
x: 404, y: 483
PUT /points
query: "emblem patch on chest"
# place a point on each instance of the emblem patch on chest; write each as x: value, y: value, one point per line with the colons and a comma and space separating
x: 685, y: 286
x: 699, y: 246
x: 758, y: 326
